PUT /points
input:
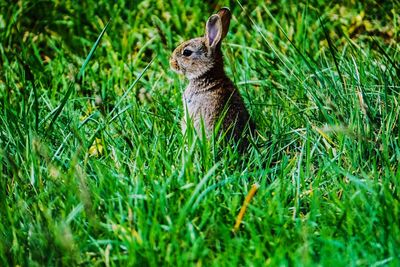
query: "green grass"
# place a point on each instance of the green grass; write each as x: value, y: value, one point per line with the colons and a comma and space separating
x: 95, y: 170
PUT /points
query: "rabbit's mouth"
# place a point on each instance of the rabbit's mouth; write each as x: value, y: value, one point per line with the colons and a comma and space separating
x: 175, y: 66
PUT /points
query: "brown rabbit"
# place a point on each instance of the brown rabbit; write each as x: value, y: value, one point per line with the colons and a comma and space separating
x: 211, y: 96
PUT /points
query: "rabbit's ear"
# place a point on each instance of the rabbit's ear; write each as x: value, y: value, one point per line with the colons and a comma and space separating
x: 225, y: 15
x: 214, y: 31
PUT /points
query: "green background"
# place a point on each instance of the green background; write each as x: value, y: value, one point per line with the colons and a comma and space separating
x: 95, y: 170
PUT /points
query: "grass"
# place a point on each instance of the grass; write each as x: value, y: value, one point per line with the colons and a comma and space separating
x: 95, y: 170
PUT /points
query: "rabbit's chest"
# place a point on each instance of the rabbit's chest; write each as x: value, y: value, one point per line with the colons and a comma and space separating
x: 198, y: 104
x: 201, y: 106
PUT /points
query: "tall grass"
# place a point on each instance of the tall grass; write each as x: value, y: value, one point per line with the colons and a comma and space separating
x: 95, y: 169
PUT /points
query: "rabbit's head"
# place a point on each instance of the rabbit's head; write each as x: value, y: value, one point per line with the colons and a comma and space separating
x: 197, y: 56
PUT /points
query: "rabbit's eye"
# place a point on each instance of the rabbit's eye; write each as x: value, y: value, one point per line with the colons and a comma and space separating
x: 187, y: 52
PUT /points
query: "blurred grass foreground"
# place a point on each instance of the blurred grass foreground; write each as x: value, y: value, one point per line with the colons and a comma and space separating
x: 95, y: 170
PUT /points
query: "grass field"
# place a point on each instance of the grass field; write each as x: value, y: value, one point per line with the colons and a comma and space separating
x: 95, y: 170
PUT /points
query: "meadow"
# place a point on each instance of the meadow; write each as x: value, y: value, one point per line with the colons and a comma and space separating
x: 95, y: 170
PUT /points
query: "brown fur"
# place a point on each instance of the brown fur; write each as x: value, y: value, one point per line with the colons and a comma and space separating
x: 210, y: 95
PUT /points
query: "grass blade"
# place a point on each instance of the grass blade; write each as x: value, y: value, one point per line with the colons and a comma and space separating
x: 79, y: 79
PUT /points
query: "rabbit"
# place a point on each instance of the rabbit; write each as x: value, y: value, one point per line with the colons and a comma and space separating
x: 211, y: 98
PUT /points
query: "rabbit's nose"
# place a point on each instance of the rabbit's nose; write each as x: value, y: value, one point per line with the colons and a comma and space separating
x: 174, y: 64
